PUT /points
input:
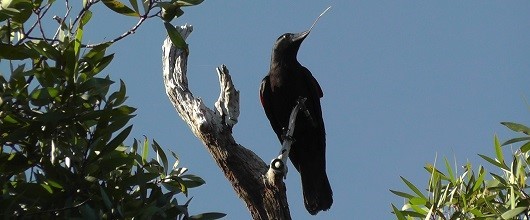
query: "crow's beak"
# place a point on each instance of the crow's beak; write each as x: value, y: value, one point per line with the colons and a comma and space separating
x: 300, y: 36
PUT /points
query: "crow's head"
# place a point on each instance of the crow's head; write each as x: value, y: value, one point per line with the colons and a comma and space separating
x: 287, y: 45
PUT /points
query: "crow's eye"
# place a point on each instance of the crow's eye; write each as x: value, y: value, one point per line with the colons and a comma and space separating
x: 283, y: 36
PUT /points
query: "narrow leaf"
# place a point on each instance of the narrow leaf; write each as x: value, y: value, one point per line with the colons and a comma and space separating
x: 513, y: 212
x: 208, y: 215
x: 184, y: 3
x: 160, y: 155
x: 517, y: 127
x: 498, y: 149
x: 480, y: 179
x: 449, y: 170
x: 139, y: 179
x: 117, y: 140
x: 175, y: 165
x: 499, y: 178
x: 105, y: 198
x: 145, y: 151
x: 175, y: 37
x: 515, y: 140
x: 413, y: 188
x: 43, y: 96
x: 494, y: 162
x: 525, y: 147
x: 45, y: 49
x: 398, y: 213
x: 134, y: 4
x: 85, y: 18
x: 402, y: 194
x: 119, y: 7
x: 19, y: 52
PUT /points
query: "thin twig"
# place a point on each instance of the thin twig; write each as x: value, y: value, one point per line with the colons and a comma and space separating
x: 61, y: 209
x: 62, y: 21
x: 131, y: 31
x: 39, y: 14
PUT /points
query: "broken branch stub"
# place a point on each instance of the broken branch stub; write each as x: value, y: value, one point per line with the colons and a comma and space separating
x: 228, y: 103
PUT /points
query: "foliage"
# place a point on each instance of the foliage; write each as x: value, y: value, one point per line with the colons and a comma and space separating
x: 474, y: 195
x: 62, y: 129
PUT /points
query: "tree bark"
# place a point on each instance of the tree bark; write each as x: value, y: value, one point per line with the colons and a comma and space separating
x: 264, y: 195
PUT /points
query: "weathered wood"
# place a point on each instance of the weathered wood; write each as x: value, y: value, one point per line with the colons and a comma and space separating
x: 243, y: 168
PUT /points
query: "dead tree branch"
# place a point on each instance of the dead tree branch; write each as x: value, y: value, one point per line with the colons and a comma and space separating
x: 244, y: 169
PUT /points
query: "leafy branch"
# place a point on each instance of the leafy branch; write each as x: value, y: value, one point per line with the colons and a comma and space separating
x: 62, y: 129
x: 473, y: 195
x: 17, y: 12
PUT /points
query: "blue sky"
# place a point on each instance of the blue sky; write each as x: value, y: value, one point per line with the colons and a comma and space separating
x: 403, y: 81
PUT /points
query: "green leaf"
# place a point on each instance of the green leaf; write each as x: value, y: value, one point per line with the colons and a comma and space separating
x: 435, y: 172
x: 134, y: 4
x: 175, y: 37
x: 208, y: 216
x: 116, y: 124
x: 49, y: 76
x: 184, y: 3
x: 192, y: 181
x: 117, y: 98
x: 104, y: 62
x: 169, y: 11
x: 160, y: 155
x: 119, y: 7
x: 53, y: 183
x: 175, y: 165
x: 172, y: 186
x: 449, y: 170
x: 85, y: 18
x: 515, y: 140
x: 19, y: 52
x: 413, y: 188
x: 44, y: 96
x: 494, y: 162
x: 480, y: 179
x: 526, y: 147
x: 498, y: 149
x: 402, y: 194
x: 95, y: 86
x: 398, y: 213
x: 105, y: 198
x: 139, y: 179
x: 88, y: 212
x: 417, y: 201
x: 45, y: 49
x: 145, y: 151
x: 98, y: 51
x: 47, y: 188
x: 499, y: 178
x: 117, y: 140
x: 79, y: 33
x: 18, y: 10
x: 513, y: 212
x: 13, y: 163
x: 69, y: 59
x: 517, y: 127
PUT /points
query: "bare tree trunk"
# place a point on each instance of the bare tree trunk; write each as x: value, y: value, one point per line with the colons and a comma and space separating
x: 265, y: 196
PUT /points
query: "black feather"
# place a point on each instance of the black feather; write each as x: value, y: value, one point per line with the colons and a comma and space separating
x: 286, y: 82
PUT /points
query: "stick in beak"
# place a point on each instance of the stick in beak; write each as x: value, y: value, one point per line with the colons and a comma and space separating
x: 314, y: 23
